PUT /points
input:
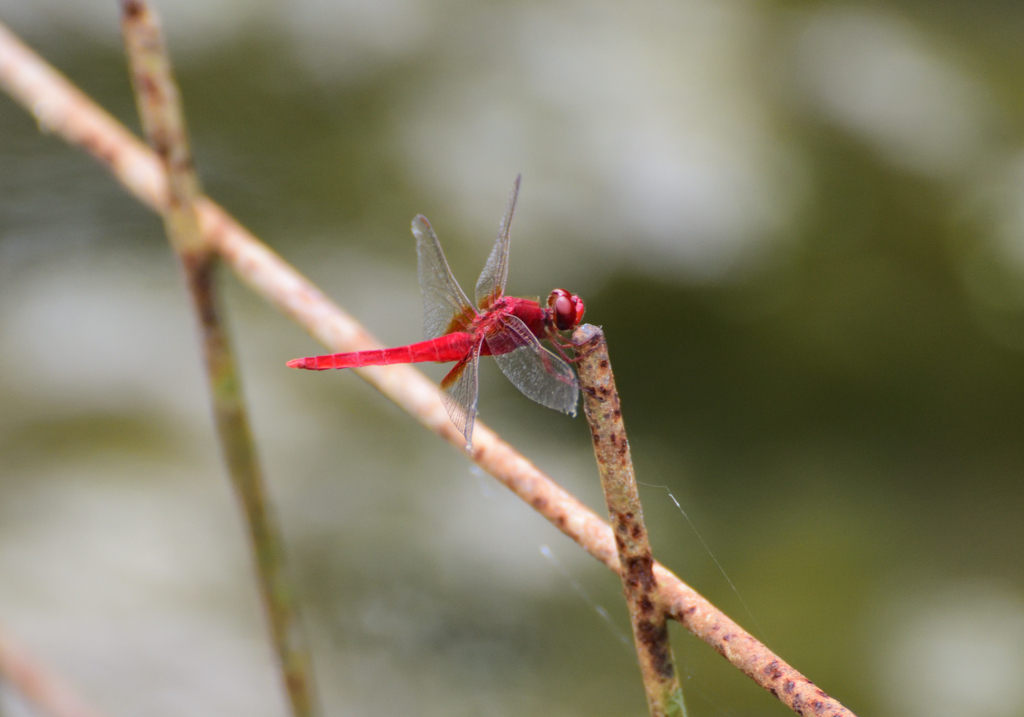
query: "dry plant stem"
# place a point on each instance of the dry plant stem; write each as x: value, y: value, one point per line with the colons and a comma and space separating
x: 614, y: 463
x: 696, y: 614
x: 163, y: 120
x: 38, y: 684
x: 62, y: 109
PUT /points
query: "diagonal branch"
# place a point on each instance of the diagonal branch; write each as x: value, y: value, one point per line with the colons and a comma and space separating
x: 164, y: 122
x: 46, y: 689
x: 63, y: 109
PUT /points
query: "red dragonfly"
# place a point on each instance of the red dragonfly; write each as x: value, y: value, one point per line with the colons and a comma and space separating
x: 505, y: 327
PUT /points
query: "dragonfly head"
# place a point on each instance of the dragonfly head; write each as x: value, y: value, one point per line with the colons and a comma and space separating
x: 566, y: 309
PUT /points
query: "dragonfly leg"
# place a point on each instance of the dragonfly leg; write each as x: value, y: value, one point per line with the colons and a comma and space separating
x: 561, y: 344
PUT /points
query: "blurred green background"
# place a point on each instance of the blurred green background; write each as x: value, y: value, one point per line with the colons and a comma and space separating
x: 801, y: 225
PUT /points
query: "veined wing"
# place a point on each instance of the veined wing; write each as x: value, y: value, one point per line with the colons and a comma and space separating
x: 539, y: 374
x: 491, y: 285
x: 459, y: 390
x: 446, y: 307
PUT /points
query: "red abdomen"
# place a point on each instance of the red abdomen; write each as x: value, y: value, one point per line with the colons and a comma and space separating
x: 450, y: 347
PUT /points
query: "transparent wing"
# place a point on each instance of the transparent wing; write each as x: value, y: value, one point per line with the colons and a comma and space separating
x: 491, y: 285
x: 539, y: 374
x: 459, y: 392
x: 446, y: 307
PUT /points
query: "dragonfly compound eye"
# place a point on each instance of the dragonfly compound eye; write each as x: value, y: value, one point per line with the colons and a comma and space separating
x: 568, y: 309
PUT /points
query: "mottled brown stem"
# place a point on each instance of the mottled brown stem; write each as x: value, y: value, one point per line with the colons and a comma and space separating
x: 696, y: 614
x: 37, y: 683
x: 618, y: 481
x: 60, y: 108
x: 164, y: 123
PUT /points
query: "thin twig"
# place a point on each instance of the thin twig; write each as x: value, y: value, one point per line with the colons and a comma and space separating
x: 61, y: 108
x: 618, y: 481
x: 163, y: 120
x: 37, y: 683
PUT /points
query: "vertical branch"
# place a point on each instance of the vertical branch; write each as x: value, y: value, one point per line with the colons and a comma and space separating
x: 611, y: 448
x: 163, y: 121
